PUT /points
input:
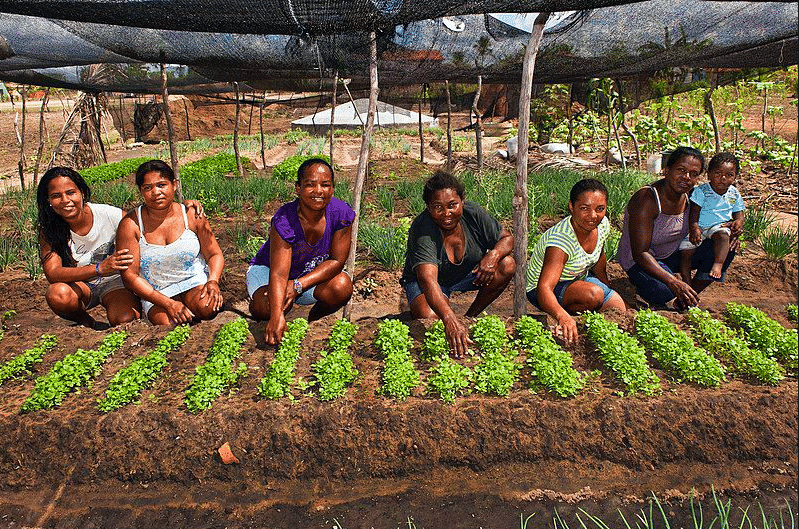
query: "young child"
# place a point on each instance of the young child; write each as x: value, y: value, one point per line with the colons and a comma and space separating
x: 717, y: 213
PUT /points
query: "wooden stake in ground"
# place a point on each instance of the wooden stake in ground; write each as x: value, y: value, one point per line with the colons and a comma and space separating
x: 478, y: 124
x: 97, y: 117
x: 711, y: 111
x: 236, y: 131
x: 41, y: 137
x: 23, y: 91
x: 449, y: 127
x: 363, y: 159
x: 188, y: 129
x: 261, y: 128
x: 333, y: 114
x: 520, y: 196
x: 421, y: 134
x: 170, y: 131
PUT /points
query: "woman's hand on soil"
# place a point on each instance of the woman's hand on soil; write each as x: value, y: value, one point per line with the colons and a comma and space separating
x: 457, y: 336
x: 684, y: 292
x: 566, y: 329
x: 274, y: 330
x: 214, y: 296
x: 178, y: 312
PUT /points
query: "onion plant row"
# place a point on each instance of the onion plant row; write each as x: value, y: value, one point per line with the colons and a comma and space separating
x: 731, y: 346
x: 130, y: 381
x: 551, y: 366
x: 22, y: 363
x: 72, y: 372
x: 280, y: 374
x: 766, y: 334
x: 400, y: 377
x: 219, y: 372
x: 622, y: 354
x: 676, y: 352
x: 335, y: 370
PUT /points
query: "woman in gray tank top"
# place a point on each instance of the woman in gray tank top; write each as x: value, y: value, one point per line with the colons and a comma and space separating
x: 655, y: 221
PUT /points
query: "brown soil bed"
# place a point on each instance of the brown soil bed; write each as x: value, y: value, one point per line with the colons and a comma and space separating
x: 369, y: 461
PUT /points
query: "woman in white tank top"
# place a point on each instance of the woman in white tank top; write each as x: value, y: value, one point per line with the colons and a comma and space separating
x: 76, y: 245
x: 177, y: 262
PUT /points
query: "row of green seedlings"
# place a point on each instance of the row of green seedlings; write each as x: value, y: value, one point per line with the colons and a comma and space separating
x: 279, y: 377
x: 549, y: 364
x: 74, y: 371
x: 793, y: 311
x: 622, y: 354
x: 731, y: 346
x: 129, y: 382
x: 220, y: 370
x: 675, y: 351
x: 400, y: 377
x: 335, y: 370
x: 23, y: 363
x: 766, y: 334
x: 494, y: 374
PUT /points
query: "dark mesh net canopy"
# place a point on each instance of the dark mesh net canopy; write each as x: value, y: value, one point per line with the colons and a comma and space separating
x: 620, y: 41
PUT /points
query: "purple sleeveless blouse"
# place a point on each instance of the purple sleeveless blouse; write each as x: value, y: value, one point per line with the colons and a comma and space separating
x: 667, y: 232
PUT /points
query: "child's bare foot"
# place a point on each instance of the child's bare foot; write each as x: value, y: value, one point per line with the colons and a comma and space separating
x: 715, y: 272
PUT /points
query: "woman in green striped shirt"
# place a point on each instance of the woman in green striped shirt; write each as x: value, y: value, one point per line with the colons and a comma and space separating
x: 567, y: 270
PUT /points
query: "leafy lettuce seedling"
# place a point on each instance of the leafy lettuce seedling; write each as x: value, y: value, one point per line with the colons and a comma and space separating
x: 676, y: 352
x: 280, y: 373
x: 731, y: 346
x: 130, y: 381
x: 551, y: 366
x: 400, y: 377
x: 73, y: 371
x: 219, y: 371
x: 24, y: 362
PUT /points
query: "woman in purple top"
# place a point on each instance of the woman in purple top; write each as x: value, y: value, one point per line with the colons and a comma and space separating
x: 655, y: 221
x: 303, y: 259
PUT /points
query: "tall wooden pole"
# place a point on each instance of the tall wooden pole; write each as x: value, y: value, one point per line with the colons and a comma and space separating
x: 236, y: 131
x: 478, y: 124
x: 520, y: 196
x: 261, y: 128
x: 170, y: 131
x: 333, y: 114
x: 449, y: 128
x: 41, y: 137
x: 363, y: 158
x: 23, y: 92
x: 421, y: 133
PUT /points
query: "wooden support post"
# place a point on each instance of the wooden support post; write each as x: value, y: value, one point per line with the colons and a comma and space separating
x: 261, y: 127
x: 421, y: 133
x: 363, y: 159
x: 239, y: 167
x: 449, y: 127
x: 170, y: 130
x: 570, y: 120
x: 252, y: 108
x: 41, y: 137
x: 478, y: 124
x: 520, y: 195
x: 23, y: 92
x: 333, y: 114
x: 97, y: 117
x: 188, y: 129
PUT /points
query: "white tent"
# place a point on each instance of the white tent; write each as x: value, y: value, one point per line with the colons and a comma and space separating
x: 351, y: 115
